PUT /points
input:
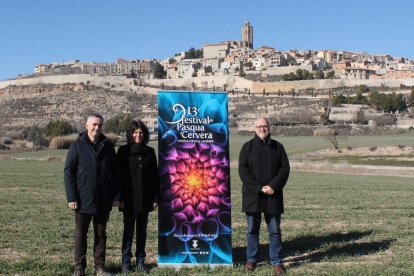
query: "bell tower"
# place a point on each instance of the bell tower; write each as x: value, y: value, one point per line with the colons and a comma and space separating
x: 247, y: 35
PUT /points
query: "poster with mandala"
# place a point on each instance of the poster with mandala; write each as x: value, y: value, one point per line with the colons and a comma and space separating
x: 193, y: 153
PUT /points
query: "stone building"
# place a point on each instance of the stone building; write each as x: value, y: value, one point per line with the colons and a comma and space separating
x: 247, y: 35
x: 218, y: 50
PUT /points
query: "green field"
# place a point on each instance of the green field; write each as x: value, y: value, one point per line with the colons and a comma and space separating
x: 334, y: 224
x: 390, y: 160
x: 294, y: 145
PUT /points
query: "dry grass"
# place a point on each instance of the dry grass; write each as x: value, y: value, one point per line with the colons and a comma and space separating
x: 324, y: 132
x: 17, y: 144
x: 328, y: 167
x: 6, y: 140
x: 45, y: 158
x: 62, y: 142
x: 112, y: 137
x: 364, y: 151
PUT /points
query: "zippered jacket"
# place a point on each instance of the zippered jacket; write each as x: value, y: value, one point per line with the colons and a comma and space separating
x: 91, y: 175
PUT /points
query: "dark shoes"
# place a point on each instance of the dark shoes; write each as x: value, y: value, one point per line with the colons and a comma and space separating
x: 79, y: 272
x: 279, y: 269
x: 249, y: 266
x: 141, y: 267
x: 101, y: 272
x: 126, y: 268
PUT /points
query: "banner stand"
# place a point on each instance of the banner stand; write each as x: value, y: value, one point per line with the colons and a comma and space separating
x: 193, y: 152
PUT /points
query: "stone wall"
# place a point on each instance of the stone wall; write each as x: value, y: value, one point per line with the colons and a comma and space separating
x: 208, y: 82
x: 286, y: 86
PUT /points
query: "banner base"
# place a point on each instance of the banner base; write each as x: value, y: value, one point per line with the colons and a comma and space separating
x: 179, y: 266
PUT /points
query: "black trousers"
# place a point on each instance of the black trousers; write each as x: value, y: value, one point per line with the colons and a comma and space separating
x: 82, y: 222
x: 140, y: 222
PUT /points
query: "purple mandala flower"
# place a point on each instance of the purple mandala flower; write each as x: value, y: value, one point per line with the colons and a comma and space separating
x: 198, y: 191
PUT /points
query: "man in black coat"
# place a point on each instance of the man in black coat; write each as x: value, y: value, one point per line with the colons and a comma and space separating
x: 264, y: 170
x: 91, y: 189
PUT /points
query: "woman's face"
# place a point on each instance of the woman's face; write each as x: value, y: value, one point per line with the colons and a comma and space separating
x: 138, y: 136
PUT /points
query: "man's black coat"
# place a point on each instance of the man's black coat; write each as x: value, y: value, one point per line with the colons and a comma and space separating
x: 263, y: 163
x: 91, y: 175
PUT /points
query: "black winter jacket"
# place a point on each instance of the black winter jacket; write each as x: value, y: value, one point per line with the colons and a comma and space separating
x: 91, y: 175
x: 139, y: 177
x: 260, y: 164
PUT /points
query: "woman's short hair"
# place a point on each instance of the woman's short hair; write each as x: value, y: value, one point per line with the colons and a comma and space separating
x: 134, y: 126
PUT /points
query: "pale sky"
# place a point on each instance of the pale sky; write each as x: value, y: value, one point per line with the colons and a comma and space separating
x: 46, y: 31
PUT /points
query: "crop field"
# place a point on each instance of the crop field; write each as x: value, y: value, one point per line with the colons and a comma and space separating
x: 334, y: 224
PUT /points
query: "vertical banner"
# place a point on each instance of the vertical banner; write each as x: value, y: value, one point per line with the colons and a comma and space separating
x: 195, y: 207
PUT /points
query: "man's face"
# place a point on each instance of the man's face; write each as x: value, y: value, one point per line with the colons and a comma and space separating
x: 94, y: 127
x: 262, y: 128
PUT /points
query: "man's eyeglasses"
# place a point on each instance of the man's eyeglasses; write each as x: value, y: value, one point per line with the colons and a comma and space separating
x: 259, y: 127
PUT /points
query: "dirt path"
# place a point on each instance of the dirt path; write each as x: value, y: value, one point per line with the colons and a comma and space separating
x: 400, y: 153
x: 327, y: 167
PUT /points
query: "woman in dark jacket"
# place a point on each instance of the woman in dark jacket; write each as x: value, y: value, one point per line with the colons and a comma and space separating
x: 140, y: 191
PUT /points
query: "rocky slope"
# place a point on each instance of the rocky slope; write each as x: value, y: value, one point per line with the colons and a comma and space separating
x: 30, y: 105
x: 37, y: 104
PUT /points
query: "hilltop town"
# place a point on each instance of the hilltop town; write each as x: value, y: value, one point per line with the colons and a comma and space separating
x: 239, y: 58
x: 296, y: 89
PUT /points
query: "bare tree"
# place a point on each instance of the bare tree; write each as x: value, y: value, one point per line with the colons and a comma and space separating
x: 333, y: 138
x: 330, y: 134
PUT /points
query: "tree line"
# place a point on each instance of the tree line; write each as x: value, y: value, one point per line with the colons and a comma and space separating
x: 306, y: 75
x: 389, y: 103
x: 40, y: 136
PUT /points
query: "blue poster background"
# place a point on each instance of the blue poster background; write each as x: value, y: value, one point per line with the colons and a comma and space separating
x: 195, y: 207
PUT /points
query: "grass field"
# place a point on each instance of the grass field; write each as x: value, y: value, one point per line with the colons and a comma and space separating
x: 390, y: 160
x: 333, y: 225
x: 294, y: 145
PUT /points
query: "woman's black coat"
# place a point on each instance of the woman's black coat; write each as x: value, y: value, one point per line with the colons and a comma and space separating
x: 139, y: 177
x: 260, y: 164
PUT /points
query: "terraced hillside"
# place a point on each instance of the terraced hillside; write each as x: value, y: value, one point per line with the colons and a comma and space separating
x: 37, y: 104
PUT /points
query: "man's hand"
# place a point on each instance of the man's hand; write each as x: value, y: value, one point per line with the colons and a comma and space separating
x: 267, y: 190
x: 73, y: 205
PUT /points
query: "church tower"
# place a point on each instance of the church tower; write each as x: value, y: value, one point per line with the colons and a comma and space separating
x: 247, y: 35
